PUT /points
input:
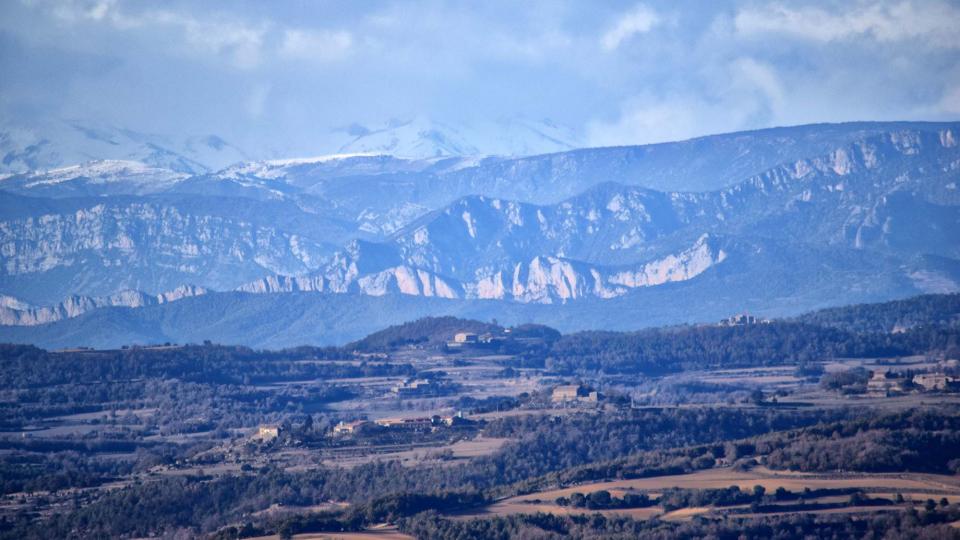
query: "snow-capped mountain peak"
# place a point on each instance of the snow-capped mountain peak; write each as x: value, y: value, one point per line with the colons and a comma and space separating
x: 101, y: 177
x: 422, y: 138
x: 417, y: 138
x: 52, y: 143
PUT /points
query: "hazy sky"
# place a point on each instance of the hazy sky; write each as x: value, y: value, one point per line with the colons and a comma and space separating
x: 283, y: 75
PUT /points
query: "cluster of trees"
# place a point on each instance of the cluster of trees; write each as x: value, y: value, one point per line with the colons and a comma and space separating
x: 551, y: 451
x: 420, y: 515
x: 859, y: 330
x: 226, y: 385
x: 546, y: 447
x: 25, y: 366
x: 129, y: 397
x: 34, y: 471
x: 676, y: 498
x: 667, y: 350
x: 850, y: 381
x: 525, y: 340
x: 930, y: 523
x: 426, y: 331
x: 213, y: 389
x: 921, y: 441
x: 602, y: 500
x: 673, y: 499
x: 886, y: 317
x: 548, y: 443
x: 384, y: 509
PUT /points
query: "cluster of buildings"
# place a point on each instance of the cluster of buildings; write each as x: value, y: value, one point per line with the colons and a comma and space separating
x: 464, y: 340
x: 348, y: 428
x: 425, y: 423
x: 573, y: 393
x: 418, y: 388
x: 743, y: 319
x: 884, y: 383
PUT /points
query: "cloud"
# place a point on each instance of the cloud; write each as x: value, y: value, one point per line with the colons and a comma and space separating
x: 637, y: 21
x: 284, y: 74
x: 950, y: 102
x: 760, y: 77
x: 643, y: 121
x: 224, y: 37
x: 744, y: 93
x: 316, y: 45
x: 933, y: 22
x: 240, y: 43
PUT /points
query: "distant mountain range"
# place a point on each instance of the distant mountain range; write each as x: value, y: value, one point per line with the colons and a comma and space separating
x: 55, y: 143
x: 777, y: 221
x: 421, y: 138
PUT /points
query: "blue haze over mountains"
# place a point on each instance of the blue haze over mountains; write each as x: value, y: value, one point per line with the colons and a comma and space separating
x: 323, y: 250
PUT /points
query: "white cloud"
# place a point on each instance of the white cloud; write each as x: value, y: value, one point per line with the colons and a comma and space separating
x: 240, y: 43
x: 722, y: 67
x: 950, y: 102
x: 760, y: 77
x: 316, y: 45
x: 637, y: 21
x: 101, y: 9
x: 745, y: 94
x: 933, y: 22
x: 643, y: 121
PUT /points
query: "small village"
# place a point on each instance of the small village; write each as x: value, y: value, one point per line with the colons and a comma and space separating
x: 378, y: 423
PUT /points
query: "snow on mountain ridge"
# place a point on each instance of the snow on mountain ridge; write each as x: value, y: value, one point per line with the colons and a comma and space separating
x: 277, y: 168
x: 102, y: 177
x: 47, y: 144
x: 422, y: 138
x: 890, y: 194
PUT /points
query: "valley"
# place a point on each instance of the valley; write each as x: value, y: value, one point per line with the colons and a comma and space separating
x: 480, y: 422
x: 479, y: 270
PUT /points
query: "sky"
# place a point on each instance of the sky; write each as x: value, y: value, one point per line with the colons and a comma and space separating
x: 293, y: 76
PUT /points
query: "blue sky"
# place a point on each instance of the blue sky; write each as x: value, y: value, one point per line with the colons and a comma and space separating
x: 286, y: 75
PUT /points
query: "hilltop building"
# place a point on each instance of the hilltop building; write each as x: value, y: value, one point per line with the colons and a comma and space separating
x: 469, y: 339
x: 742, y: 319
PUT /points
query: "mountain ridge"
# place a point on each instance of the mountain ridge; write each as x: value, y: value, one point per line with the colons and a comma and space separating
x: 886, y: 203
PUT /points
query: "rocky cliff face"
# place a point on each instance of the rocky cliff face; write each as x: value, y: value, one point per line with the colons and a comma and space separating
x: 98, y: 246
x: 15, y: 312
x: 544, y: 280
x: 541, y: 279
x: 549, y: 280
x: 381, y: 225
